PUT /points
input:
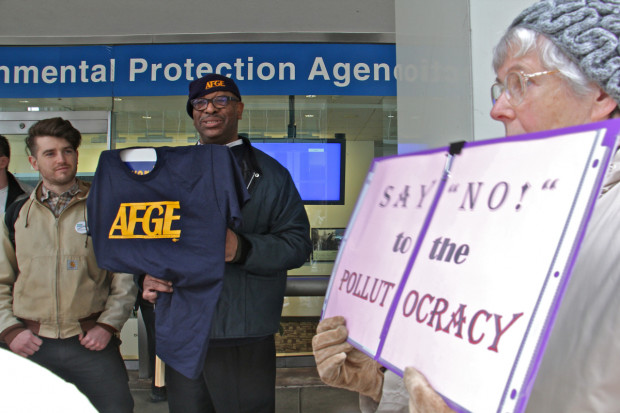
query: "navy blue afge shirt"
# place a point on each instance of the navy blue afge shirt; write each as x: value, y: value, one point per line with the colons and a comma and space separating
x: 170, y: 223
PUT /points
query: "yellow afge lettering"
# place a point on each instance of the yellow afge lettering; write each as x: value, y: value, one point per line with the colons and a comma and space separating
x: 214, y: 83
x: 156, y: 219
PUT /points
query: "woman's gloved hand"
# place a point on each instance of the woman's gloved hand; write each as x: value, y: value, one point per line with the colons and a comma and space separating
x: 340, y: 364
x: 422, y: 397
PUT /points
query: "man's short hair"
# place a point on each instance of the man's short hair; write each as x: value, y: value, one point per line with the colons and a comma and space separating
x: 54, y: 127
x: 5, y: 148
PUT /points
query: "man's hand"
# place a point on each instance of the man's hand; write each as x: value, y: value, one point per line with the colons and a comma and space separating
x: 422, y: 397
x: 232, y: 243
x: 96, y: 339
x: 151, y: 286
x: 25, y: 343
x: 340, y: 364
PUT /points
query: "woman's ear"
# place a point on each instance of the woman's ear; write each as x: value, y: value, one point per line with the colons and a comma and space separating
x: 604, y: 107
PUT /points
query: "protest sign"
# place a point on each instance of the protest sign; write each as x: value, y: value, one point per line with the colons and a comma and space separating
x: 456, y: 263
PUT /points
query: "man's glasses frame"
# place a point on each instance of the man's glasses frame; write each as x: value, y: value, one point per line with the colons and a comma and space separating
x: 219, y: 102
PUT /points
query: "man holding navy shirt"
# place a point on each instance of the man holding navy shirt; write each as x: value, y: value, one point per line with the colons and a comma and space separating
x: 239, y: 371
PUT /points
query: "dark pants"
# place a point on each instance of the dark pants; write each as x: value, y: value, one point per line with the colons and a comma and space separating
x: 236, y: 379
x: 100, y: 375
x: 148, y: 316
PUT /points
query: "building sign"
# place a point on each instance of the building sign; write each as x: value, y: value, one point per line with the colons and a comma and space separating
x: 164, y: 70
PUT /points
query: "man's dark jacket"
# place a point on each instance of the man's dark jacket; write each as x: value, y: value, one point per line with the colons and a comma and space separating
x: 274, y: 237
x: 16, y: 190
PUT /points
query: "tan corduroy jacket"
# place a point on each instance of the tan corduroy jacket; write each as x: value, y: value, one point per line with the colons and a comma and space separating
x: 50, y: 283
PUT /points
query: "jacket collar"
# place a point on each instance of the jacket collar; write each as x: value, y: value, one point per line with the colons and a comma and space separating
x: 83, y: 186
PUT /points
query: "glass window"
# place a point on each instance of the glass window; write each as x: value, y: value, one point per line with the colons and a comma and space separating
x: 368, y: 124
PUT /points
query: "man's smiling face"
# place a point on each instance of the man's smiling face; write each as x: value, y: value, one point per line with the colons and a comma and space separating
x: 218, y: 125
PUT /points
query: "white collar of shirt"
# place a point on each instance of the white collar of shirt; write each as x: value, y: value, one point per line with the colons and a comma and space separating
x: 235, y: 143
x: 230, y: 144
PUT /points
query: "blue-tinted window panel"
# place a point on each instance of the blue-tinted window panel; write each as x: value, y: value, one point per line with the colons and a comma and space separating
x: 317, y: 167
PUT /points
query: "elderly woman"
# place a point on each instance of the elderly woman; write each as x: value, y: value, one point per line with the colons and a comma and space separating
x: 558, y: 65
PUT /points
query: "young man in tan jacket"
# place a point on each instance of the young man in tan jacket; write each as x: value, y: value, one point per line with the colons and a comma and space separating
x: 57, y: 307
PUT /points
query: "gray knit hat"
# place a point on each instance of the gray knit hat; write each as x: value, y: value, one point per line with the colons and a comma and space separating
x: 586, y: 30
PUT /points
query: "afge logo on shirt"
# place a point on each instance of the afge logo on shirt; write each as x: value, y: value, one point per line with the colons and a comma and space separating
x: 146, y: 220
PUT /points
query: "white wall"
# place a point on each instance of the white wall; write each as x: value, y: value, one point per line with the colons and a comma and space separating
x: 22, y: 21
x: 489, y: 21
x: 462, y: 34
x: 434, y: 94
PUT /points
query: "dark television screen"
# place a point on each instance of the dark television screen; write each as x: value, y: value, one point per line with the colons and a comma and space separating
x: 317, y: 167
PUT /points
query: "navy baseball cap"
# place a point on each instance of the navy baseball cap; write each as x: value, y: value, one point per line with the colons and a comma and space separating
x: 209, y: 84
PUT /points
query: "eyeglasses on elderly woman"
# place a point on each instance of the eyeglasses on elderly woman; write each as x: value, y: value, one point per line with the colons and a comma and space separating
x: 515, y: 86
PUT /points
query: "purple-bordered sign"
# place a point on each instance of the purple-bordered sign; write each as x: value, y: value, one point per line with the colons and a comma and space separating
x: 456, y: 264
